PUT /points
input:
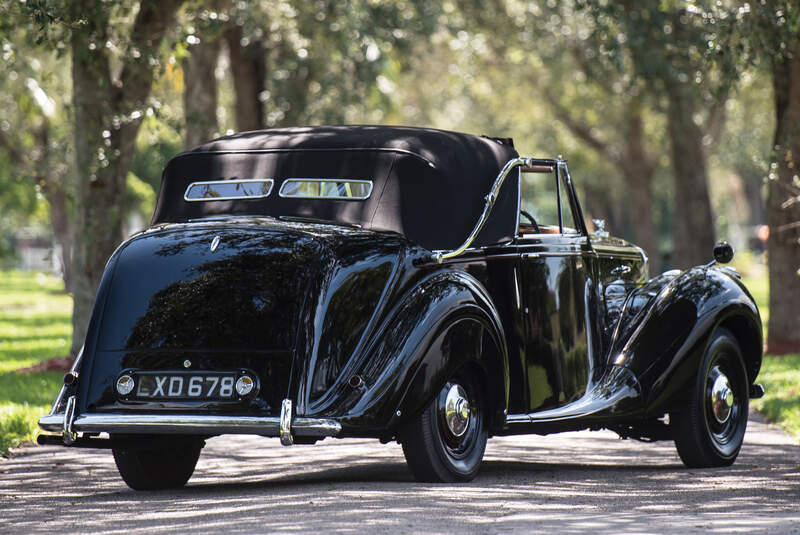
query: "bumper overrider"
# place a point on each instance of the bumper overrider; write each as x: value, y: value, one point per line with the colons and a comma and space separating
x: 286, y: 426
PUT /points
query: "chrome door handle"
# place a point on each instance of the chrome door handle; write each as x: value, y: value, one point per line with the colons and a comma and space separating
x: 621, y: 270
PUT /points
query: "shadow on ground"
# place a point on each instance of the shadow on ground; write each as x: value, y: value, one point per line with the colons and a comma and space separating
x: 569, y: 483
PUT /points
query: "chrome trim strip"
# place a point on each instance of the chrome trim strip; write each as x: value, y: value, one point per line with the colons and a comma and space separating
x: 620, y: 256
x: 487, y: 207
x: 335, y: 179
x: 479, y: 256
x: 190, y: 424
x: 552, y: 254
x: 617, y: 250
x: 67, y: 434
x: 518, y: 419
x: 269, y: 181
x: 286, y: 423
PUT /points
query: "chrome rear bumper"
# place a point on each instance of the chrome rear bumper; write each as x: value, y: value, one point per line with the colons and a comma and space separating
x: 200, y: 424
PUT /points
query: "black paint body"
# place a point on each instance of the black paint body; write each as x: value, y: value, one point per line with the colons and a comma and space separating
x: 308, y: 306
x: 361, y: 326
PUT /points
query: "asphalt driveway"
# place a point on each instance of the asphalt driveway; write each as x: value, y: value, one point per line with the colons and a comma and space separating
x: 588, y: 482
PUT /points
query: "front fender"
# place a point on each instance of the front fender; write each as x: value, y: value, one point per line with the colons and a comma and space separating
x: 666, y: 325
x: 446, y: 321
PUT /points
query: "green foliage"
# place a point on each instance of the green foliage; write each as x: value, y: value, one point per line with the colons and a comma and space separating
x: 770, y: 29
x: 35, y: 140
x: 326, y: 58
x: 140, y: 200
x: 158, y: 142
x: 692, y: 43
x: 34, y: 326
x: 780, y: 376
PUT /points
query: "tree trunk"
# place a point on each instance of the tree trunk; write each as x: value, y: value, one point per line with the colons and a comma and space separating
x: 90, y: 98
x: 107, y: 119
x: 752, y: 184
x: 637, y: 170
x: 248, y: 68
x: 200, y: 93
x: 56, y: 198
x: 693, y: 231
x: 783, y: 210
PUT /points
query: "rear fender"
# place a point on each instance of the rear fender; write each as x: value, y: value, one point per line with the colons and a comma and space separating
x: 463, y: 342
x: 666, y: 325
x: 447, y: 321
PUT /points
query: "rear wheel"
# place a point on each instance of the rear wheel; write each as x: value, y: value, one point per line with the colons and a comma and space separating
x: 709, y: 432
x: 445, y: 443
x: 157, y: 463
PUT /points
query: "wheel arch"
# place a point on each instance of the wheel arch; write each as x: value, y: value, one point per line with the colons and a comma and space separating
x: 665, y: 344
x: 487, y: 362
x: 750, y: 340
x: 447, y: 320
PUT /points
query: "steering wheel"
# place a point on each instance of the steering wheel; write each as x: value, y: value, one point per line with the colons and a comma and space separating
x: 530, y: 218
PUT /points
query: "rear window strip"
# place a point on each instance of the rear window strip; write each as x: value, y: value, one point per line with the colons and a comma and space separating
x: 341, y: 189
x: 226, y: 190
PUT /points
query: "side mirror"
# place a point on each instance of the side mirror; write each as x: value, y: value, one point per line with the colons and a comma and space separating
x: 723, y: 252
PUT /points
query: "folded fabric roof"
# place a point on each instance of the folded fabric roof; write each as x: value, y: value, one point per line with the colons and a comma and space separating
x: 428, y: 185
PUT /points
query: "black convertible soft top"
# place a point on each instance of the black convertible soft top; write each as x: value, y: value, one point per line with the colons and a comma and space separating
x: 429, y: 185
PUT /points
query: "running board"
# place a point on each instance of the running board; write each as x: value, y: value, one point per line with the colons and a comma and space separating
x: 618, y: 385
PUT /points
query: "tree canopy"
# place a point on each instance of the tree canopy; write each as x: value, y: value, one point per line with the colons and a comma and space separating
x: 671, y: 113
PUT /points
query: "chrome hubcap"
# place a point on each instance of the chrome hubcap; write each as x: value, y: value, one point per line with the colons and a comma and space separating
x: 457, y: 411
x: 721, y: 398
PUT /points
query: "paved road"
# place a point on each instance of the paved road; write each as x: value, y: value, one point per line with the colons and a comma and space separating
x: 589, y: 482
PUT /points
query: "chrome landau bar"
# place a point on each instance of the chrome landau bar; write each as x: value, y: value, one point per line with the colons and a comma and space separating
x: 532, y: 164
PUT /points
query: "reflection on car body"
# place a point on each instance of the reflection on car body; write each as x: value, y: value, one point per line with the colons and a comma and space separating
x: 407, y: 284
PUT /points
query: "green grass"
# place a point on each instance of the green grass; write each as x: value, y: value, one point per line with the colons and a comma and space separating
x: 24, y: 397
x: 35, y: 325
x: 780, y: 375
x: 35, y: 322
x: 759, y: 289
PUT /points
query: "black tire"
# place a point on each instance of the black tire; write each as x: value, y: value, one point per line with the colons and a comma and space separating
x: 156, y: 463
x: 704, y: 437
x: 435, y: 453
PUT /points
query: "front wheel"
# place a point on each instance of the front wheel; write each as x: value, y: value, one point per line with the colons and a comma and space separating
x: 709, y: 432
x: 445, y: 443
x: 147, y: 463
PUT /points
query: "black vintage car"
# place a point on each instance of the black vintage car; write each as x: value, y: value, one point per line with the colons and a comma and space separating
x: 405, y: 284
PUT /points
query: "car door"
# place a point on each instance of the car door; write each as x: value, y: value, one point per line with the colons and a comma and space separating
x: 554, y: 264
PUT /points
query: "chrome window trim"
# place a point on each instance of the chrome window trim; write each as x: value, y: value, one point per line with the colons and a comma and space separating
x: 334, y: 179
x: 559, y: 169
x: 519, y: 199
x: 269, y: 181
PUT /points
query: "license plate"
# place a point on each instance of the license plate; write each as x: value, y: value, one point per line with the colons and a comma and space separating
x: 203, y: 385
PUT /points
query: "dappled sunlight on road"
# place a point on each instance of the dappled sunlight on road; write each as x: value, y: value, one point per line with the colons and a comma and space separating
x: 570, y: 483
